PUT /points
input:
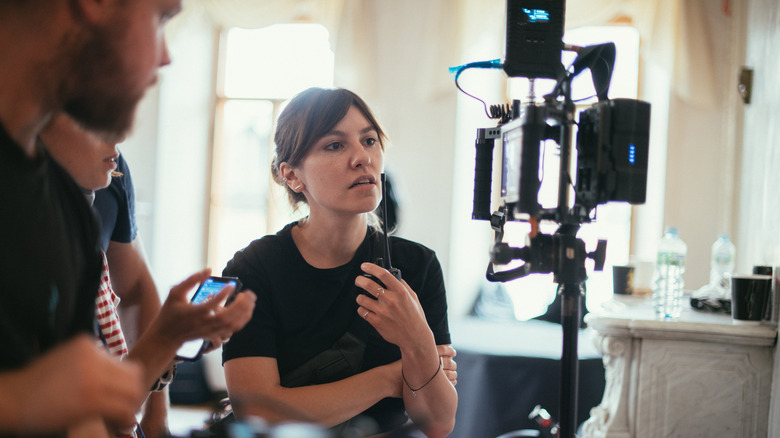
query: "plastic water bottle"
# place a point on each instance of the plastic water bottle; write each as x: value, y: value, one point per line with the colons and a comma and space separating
x: 667, y: 280
x: 722, y: 265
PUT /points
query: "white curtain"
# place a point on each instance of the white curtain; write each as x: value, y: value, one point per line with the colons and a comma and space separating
x: 675, y: 34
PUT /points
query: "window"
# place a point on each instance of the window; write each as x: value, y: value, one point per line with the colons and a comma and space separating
x: 533, y: 293
x: 259, y: 70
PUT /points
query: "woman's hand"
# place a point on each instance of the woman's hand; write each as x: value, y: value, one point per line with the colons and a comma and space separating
x: 395, y: 312
x: 394, y: 377
x: 447, y: 354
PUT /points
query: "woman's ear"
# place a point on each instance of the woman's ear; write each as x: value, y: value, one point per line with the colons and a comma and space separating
x: 289, y: 175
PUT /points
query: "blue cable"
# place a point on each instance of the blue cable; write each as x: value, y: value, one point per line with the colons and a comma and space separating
x: 494, y: 64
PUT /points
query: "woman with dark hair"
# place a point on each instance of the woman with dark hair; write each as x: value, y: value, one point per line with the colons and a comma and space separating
x: 326, y: 341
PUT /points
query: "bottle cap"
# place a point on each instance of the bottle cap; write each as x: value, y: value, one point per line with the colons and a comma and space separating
x: 671, y: 230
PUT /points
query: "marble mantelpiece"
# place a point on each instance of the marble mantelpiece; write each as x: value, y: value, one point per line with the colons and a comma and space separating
x: 697, y: 376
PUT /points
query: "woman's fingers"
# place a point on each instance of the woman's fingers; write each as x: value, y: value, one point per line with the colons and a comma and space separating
x: 381, y: 274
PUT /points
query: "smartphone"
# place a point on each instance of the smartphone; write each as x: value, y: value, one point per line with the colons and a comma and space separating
x: 192, y: 350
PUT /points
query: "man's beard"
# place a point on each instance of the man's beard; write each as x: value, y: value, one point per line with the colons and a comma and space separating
x: 109, y: 117
x: 100, y: 101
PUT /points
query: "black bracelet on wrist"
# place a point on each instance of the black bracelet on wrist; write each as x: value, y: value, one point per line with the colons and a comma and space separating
x: 414, y: 391
x: 165, y: 379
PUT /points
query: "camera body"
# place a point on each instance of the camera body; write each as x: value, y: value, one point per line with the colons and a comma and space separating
x: 612, y: 136
x: 611, y: 166
x: 612, y: 155
x: 612, y: 141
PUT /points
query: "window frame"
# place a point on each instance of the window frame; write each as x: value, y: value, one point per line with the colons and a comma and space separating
x: 278, y: 212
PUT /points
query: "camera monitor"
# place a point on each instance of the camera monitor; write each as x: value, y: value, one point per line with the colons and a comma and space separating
x: 520, y: 139
x: 534, y: 38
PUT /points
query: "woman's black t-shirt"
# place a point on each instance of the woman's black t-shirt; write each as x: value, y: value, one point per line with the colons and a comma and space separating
x: 302, y: 310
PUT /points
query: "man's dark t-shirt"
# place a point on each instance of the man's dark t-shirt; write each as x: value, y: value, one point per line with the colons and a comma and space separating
x: 49, y: 256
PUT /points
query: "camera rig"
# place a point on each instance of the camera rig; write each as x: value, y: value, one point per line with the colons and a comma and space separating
x: 611, y: 165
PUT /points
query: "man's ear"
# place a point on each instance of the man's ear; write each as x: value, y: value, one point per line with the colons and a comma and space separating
x: 93, y: 11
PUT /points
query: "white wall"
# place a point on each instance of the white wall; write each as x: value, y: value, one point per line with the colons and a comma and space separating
x: 692, y: 171
x: 184, y: 155
x: 419, y: 121
x: 169, y: 153
x: 139, y: 151
x: 759, y: 205
x: 481, y: 39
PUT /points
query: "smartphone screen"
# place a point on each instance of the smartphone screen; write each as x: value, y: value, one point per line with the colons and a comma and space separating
x: 191, y: 350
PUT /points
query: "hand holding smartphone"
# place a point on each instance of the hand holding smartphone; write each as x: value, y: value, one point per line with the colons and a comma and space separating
x: 192, y: 350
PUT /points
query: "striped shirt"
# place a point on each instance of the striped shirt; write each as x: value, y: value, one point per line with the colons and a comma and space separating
x: 110, y: 335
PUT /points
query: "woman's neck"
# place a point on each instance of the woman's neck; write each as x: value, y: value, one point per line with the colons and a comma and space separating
x: 329, y: 243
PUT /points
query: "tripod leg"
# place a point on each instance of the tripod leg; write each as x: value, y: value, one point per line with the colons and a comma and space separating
x: 570, y: 321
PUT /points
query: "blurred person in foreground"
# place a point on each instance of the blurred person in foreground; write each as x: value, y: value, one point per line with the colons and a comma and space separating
x: 94, y: 60
x: 92, y: 161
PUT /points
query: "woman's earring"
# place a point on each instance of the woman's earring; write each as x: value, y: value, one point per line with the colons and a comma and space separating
x: 284, y: 181
x: 297, y: 187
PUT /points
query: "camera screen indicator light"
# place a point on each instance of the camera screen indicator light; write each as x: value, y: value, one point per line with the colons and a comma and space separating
x: 631, y: 153
x: 537, y: 15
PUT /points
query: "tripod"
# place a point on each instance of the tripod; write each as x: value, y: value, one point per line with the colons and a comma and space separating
x: 562, y: 254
